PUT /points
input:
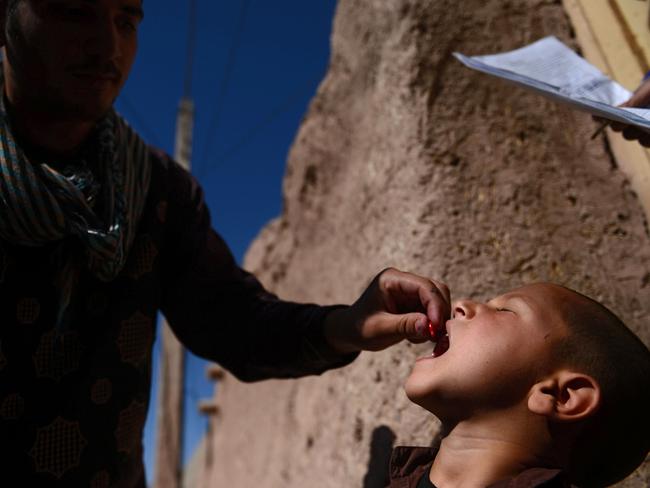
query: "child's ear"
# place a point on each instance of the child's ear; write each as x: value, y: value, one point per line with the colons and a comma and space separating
x: 566, y: 396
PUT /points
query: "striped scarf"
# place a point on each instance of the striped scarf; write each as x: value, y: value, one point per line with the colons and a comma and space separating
x: 39, y: 205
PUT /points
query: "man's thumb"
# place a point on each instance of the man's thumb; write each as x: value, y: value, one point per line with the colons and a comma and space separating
x: 412, y: 326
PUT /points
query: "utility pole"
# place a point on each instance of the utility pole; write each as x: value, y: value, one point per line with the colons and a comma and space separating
x: 171, y: 389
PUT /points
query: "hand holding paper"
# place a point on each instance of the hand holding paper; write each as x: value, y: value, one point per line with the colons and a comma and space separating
x: 640, y: 98
x: 552, y: 69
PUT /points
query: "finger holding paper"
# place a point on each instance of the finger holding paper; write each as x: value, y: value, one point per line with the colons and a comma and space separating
x: 640, y: 99
x: 551, y: 69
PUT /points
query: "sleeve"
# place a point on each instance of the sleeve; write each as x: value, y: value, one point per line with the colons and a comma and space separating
x: 221, y: 312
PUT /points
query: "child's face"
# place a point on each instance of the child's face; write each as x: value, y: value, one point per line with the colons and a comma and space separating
x: 497, y: 351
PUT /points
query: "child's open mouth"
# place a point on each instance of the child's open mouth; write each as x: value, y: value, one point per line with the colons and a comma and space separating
x: 441, y: 339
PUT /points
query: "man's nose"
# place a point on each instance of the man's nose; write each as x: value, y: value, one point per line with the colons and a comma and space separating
x: 104, y: 41
x: 463, y: 309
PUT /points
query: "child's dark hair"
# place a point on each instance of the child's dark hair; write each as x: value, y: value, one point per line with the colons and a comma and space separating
x: 616, y: 440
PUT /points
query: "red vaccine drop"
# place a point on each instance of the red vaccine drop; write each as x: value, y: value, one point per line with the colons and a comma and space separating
x: 432, y: 330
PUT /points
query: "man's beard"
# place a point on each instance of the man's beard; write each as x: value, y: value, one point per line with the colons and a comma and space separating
x: 61, y: 108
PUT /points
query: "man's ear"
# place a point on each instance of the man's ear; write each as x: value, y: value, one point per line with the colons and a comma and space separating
x: 566, y: 396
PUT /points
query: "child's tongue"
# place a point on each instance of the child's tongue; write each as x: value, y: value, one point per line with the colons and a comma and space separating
x: 441, y: 346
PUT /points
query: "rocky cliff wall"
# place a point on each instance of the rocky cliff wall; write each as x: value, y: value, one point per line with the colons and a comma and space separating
x: 405, y: 158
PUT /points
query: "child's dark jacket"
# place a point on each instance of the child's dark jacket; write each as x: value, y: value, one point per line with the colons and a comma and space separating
x: 408, y: 464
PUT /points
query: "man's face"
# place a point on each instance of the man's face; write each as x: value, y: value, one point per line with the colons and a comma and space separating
x: 497, y: 351
x: 70, y: 58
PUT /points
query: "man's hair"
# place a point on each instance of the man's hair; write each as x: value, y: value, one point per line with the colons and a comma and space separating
x: 616, y: 440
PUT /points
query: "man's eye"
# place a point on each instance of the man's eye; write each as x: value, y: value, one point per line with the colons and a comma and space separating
x: 128, y: 25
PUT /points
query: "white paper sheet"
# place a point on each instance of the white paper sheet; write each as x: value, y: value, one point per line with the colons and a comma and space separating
x: 552, y: 69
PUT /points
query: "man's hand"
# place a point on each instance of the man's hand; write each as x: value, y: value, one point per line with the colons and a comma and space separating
x: 640, y: 99
x: 395, y: 306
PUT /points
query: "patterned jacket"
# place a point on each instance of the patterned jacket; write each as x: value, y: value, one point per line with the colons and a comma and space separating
x: 73, y: 406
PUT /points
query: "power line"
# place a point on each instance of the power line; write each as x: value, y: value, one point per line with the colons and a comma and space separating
x: 135, y: 115
x: 274, y: 114
x: 191, y: 47
x: 225, y: 81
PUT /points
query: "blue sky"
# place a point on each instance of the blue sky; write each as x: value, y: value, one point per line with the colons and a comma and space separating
x: 256, y: 66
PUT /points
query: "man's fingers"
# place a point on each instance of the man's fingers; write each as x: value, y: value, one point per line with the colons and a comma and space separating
x: 413, y: 293
x: 407, y: 291
x: 641, y: 96
x: 645, y: 140
x: 389, y: 329
x: 414, y: 327
x: 617, y: 126
x: 631, y: 133
x: 395, y: 306
x: 439, y: 304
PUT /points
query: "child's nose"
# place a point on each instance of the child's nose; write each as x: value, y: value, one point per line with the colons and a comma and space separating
x: 463, y: 309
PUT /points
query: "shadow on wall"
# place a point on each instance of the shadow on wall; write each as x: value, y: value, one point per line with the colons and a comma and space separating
x: 381, y: 446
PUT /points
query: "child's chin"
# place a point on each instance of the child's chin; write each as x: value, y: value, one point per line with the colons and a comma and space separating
x: 417, y: 393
